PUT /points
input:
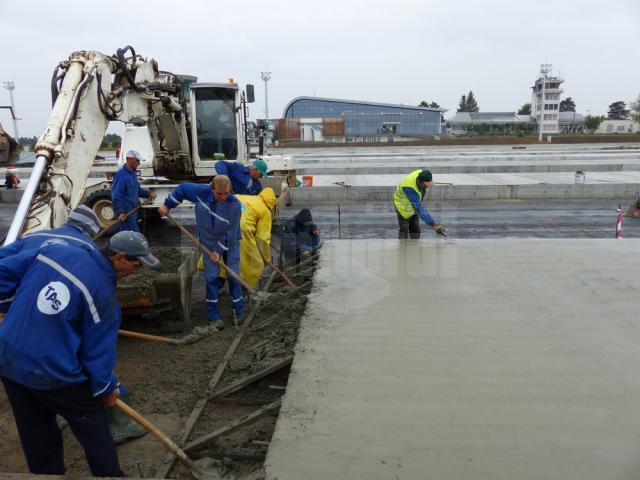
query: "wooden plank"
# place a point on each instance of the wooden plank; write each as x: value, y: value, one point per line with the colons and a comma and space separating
x: 263, y: 324
x: 169, y: 460
x: 233, y: 426
x: 245, y: 454
x: 239, y: 385
x: 238, y: 401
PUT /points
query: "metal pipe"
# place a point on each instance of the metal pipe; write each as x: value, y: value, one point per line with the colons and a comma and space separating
x: 51, y: 136
x: 25, y: 201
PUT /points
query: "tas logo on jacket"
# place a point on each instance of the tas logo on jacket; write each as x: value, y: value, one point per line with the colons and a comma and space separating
x: 53, y: 298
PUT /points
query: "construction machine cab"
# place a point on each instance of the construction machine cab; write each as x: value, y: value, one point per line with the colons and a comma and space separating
x: 218, y: 123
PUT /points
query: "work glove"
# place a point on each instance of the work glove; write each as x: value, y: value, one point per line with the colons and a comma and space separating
x: 439, y: 229
x: 110, y: 400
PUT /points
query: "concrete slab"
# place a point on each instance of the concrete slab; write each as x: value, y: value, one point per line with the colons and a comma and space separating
x: 620, y: 192
x: 474, y: 359
x: 554, y: 178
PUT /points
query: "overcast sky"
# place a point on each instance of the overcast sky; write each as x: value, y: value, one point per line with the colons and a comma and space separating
x: 400, y: 51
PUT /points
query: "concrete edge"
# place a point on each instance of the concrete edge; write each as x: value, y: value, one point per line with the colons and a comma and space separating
x: 390, y: 169
x: 600, y: 191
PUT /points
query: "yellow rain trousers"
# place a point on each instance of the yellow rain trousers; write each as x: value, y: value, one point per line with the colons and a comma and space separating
x: 255, y: 225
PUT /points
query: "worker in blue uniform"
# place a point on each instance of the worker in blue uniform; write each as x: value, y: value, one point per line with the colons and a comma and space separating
x: 81, y: 226
x: 245, y: 179
x: 218, y: 215
x: 79, y: 229
x: 58, y: 346
x: 126, y: 192
x: 300, y: 236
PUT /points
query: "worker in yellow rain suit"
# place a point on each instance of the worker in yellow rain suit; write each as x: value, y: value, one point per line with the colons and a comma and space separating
x: 255, y: 225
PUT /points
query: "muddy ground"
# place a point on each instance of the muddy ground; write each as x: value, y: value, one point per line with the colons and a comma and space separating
x: 165, y: 382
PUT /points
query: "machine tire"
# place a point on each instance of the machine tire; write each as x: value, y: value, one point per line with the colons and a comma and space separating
x: 100, y: 203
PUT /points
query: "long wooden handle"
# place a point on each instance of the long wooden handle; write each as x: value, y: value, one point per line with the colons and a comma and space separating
x: 153, y: 430
x: 208, y: 252
x: 102, y: 232
x: 283, y: 275
x: 145, y: 336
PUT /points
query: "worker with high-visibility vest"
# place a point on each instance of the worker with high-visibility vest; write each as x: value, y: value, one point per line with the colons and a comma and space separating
x: 408, y: 199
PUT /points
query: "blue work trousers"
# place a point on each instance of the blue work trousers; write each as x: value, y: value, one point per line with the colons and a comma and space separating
x: 213, y: 281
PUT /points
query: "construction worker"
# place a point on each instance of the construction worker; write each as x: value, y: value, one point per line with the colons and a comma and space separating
x: 11, y: 179
x: 300, y: 237
x: 218, y: 223
x: 255, y: 225
x: 245, y: 180
x: 81, y: 226
x: 58, y: 346
x: 408, y: 202
x: 126, y: 192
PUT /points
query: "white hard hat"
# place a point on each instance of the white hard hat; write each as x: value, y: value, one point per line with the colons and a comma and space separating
x: 134, y: 154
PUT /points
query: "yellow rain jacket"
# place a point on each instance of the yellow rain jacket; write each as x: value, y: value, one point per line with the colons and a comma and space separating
x: 255, y: 225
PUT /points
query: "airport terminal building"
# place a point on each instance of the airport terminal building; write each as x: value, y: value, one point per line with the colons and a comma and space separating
x: 327, y: 119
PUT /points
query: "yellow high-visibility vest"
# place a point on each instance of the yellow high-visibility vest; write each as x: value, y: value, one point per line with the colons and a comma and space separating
x: 402, y: 203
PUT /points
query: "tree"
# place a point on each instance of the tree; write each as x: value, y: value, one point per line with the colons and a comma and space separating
x: 635, y: 110
x: 592, y: 122
x: 424, y: 103
x: 618, y: 110
x: 111, y: 140
x: 525, y: 109
x: 472, y: 105
x: 567, y: 105
x: 462, y: 106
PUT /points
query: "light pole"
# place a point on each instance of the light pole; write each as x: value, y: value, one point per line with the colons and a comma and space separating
x: 11, y: 87
x: 545, y: 68
x: 266, y: 76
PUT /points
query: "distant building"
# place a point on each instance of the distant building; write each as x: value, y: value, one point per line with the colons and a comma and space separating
x: 327, y: 119
x: 545, y: 99
x: 610, y: 126
x: 570, y: 122
x: 490, y: 123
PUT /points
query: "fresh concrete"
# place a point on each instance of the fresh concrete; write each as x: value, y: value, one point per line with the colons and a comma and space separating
x: 474, y: 359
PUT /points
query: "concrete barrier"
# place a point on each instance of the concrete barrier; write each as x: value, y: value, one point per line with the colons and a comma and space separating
x: 10, y: 196
x: 602, y: 191
x: 518, y: 168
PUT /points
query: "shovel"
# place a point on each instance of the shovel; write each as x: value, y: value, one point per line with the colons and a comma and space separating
x: 150, y: 338
x: 284, y: 276
x: 197, y: 471
x: 187, y: 233
x: 102, y: 232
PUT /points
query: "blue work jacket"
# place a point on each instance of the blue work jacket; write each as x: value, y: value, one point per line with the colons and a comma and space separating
x: 241, y: 181
x: 218, y: 224
x: 62, y: 321
x: 126, y: 191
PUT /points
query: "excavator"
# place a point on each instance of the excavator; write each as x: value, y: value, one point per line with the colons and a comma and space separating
x: 189, y: 126
x: 184, y: 127
x: 8, y: 148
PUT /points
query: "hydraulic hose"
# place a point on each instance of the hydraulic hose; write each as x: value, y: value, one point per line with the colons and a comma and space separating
x: 122, y: 63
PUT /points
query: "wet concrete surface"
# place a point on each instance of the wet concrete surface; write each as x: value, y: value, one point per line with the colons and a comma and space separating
x: 462, y: 219
x: 478, y: 219
x: 469, y: 359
